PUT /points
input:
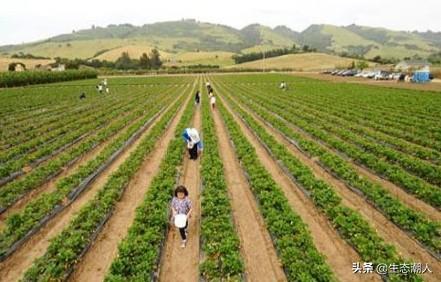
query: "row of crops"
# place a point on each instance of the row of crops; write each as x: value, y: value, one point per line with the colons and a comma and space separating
x: 281, y: 117
x: 339, y: 126
x: 13, y: 79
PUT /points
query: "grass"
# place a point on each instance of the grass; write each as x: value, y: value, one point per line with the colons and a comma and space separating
x: 342, y: 37
x: 135, y: 51
x: 205, y: 58
x: 305, y: 62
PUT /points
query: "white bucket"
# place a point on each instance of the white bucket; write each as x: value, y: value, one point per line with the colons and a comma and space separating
x: 180, y: 220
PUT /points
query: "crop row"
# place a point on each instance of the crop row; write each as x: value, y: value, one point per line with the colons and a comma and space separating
x: 429, y: 172
x: 40, y: 131
x: 19, y: 225
x: 366, y: 124
x: 74, y: 133
x: 68, y: 247
x: 220, y: 243
x: 13, y: 191
x: 291, y: 237
x: 422, y: 143
x: 372, y: 104
x: 423, y: 190
x: 12, y: 79
x: 349, y: 223
x: 424, y: 230
x: 75, y: 128
x: 139, y: 252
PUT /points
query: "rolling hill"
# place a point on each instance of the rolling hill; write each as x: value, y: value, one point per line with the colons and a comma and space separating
x: 176, y: 37
x: 299, y: 62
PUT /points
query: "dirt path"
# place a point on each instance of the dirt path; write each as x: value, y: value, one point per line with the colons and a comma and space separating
x: 405, y: 245
x: 97, y: 261
x: 261, y: 261
x: 339, y: 255
x: 434, y: 86
x: 406, y: 198
x: 13, y: 268
x: 183, y: 264
x: 50, y: 186
x: 409, y: 200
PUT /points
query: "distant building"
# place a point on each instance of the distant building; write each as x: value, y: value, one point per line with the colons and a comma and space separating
x: 60, y: 67
x: 412, y: 65
x: 20, y: 67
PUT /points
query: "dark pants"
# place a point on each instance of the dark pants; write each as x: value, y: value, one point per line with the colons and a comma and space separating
x: 182, y: 231
x: 193, y: 152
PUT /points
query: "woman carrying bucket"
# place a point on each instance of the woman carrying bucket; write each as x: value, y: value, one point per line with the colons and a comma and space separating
x: 194, y: 142
x: 181, y: 210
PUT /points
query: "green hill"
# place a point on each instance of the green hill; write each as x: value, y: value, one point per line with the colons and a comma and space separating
x: 370, y: 42
x: 176, y: 37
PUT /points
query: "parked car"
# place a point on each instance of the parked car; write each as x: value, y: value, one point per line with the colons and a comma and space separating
x: 382, y: 75
x: 361, y: 74
x: 395, y: 76
x: 370, y: 74
x: 340, y: 73
x: 350, y: 73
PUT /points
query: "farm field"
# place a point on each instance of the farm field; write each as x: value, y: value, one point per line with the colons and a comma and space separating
x: 315, y: 183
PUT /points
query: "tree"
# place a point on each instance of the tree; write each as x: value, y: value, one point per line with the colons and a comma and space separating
x: 144, y: 61
x: 124, y: 62
x: 352, y: 65
x: 13, y: 66
x: 305, y: 48
x: 362, y: 65
x: 155, y: 60
x: 377, y: 59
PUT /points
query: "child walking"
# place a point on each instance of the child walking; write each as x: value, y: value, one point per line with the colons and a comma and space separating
x: 181, y: 204
x: 213, y: 102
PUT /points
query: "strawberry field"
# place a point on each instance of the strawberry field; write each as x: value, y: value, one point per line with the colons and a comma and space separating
x: 323, y: 181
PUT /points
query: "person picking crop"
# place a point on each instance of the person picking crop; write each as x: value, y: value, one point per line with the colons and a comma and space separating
x: 213, y: 102
x: 197, y: 97
x: 181, y: 211
x: 194, y: 142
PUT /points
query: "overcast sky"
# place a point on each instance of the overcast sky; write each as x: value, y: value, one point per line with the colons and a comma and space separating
x: 30, y: 20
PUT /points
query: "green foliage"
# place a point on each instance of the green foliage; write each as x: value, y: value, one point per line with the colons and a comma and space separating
x: 280, y: 113
x: 19, y: 224
x: 290, y: 235
x: 138, y: 253
x: 361, y: 65
x: 12, y: 79
x: 65, y: 248
x: 220, y: 244
x: 254, y: 56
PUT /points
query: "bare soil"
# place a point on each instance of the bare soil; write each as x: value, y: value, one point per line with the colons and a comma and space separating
x: 261, y: 261
x: 182, y: 264
x: 338, y: 254
x: 13, y: 268
x: 405, y: 245
x: 96, y: 263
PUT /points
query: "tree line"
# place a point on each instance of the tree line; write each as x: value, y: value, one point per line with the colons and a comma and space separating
x: 124, y: 62
x: 254, y: 56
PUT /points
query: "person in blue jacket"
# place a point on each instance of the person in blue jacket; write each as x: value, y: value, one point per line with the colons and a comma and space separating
x: 193, y: 141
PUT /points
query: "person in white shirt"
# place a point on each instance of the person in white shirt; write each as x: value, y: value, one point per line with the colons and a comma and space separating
x: 213, y: 101
x: 194, y: 142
